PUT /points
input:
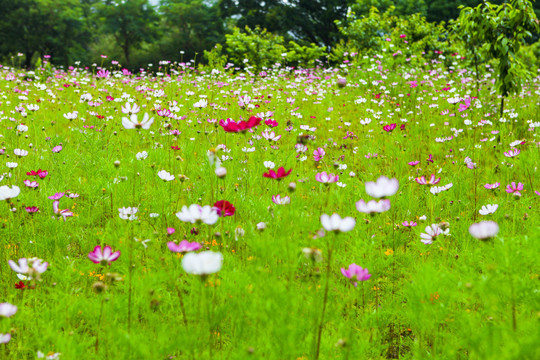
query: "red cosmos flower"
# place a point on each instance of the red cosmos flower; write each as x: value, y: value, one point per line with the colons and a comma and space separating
x: 20, y: 285
x: 224, y: 208
x: 230, y: 125
x: 41, y: 173
x: 389, y: 128
x: 277, y: 175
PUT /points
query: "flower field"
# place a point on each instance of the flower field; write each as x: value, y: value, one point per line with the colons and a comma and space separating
x: 355, y: 212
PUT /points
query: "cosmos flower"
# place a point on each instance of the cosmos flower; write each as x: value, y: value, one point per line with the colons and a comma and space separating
x: 318, y: 154
x: 133, y: 122
x: 7, y: 310
x: 514, y: 189
x: 204, y: 263
x: 224, y: 208
x: 7, y: 192
x: 326, y: 178
x: 431, y: 233
x: 492, y: 186
x: 373, y: 206
x: 64, y: 213
x: 438, y: 189
x: 355, y: 273
x: 31, y: 184
x: 103, y: 257
x: 488, y: 209
x: 512, y: 153
x: 184, y: 246
x: 197, y: 214
x: 389, y: 128
x: 32, y: 267
x: 409, y: 223
x: 277, y: 199
x: 280, y: 174
x: 56, y: 196
x: 484, y: 230
x: 41, y: 173
x: 230, y: 125
x: 383, y: 187
x: 128, y: 213
x: 165, y: 176
x: 130, y: 109
x: 336, y: 223
x: 270, y: 135
x: 431, y: 181
x: 5, y: 338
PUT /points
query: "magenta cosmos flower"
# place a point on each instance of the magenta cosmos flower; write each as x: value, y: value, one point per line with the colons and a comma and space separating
x: 492, y: 186
x: 514, y: 189
x: 224, y: 208
x: 184, y: 246
x: 281, y: 173
x: 318, y: 154
x: 355, y: 273
x: 389, y: 128
x: 230, y: 125
x: 105, y: 257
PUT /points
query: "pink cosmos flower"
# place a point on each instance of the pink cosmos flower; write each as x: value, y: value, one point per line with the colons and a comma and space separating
x: 277, y: 199
x: 184, y: 246
x: 280, y: 174
x: 431, y: 181
x: 65, y: 213
x: 57, y: 149
x: 325, y: 178
x: 105, y: 257
x: 492, y: 186
x: 31, y: 184
x: 414, y: 163
x: 318, y: 154
x: 512, y: 153
x: 389, y: 128
x: 513, y: 189
x: 32, y: 209
x: 463, y: 107
x: 409, y: 223
x: 170, y: 230
x: 355, y: 273
x: 537, y: 192
x: 41, y: 173
x: 271, y: 123
x: 56, y: 196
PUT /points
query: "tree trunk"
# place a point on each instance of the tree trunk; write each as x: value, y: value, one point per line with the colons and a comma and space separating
x: 28, y: 60
x: 502, y: 107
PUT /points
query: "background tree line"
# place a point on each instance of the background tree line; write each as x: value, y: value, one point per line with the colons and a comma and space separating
x: 139, y: 32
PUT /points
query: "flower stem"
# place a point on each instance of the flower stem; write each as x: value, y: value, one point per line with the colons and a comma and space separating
x: 325, y: 300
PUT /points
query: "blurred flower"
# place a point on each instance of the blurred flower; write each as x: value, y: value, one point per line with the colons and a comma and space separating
x: 7, y: 193
x: 4, y: 338
x: 184, y: 246
x: 128, y: 213
x: 431, y: 181
x: 355, y: 273
x: 336, y: 223
x: 281, y: 173
x: 204, y: 263
x: 196, y: 213
x: 383, y: 187
x: 129, y: 109
x: 484, y: 230
x: 165, y: 176
x: 409, y: 223
x: 261, y: 226
x: 64, y: 213
x: 277, y: 199
x: 7, y: 310
x: 230, y: 125
x: 32, y: 267
x: 373, y: 206
x: 325, y: 178
x: 431, y: 233
x: 133, y: 122
x: 492, y: 186
x: 512, y: 153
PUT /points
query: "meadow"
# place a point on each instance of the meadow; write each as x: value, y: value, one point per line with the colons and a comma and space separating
x: 154, y: 221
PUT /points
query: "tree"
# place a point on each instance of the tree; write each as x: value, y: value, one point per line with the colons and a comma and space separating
x: 130, y: 21
x: 194, y: 26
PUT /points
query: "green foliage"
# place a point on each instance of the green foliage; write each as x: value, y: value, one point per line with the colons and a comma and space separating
x: 305, y: 56
x: 216, y: 58
x: 258, y: 46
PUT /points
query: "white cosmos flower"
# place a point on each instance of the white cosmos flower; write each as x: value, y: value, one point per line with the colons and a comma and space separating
x: 20, y: 152
x: 204, y: 263
x: 269, y: 165
x: 128, y: 213
x: 197, y: 213
x: 4, y: 338
x: 71, y: 115
x: 383, y: 187
x: 201, y: 103
x: 431, y: 233
x: 12, y: 165
x: 373, y: 206
x: 488, y: 209
x: 129, y: 109
x: 22, y: 128
x: 141, y: 155
x: 336, y: 223
x: 9, y: 193
x: 133, y: 122
x: 165, y: 176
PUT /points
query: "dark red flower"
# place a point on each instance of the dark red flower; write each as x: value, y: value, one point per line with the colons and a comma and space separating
x: 281, y: 173
x: 224, y: 208
x: 20, y: 285
x: 230, y: 125
x: 41, y: 173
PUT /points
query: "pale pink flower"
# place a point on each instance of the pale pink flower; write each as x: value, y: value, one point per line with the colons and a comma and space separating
x: 325, y: 178
x: 373, y: 206
x: 318, y: 154
x: 514, y: 189
x: 355, y: 273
